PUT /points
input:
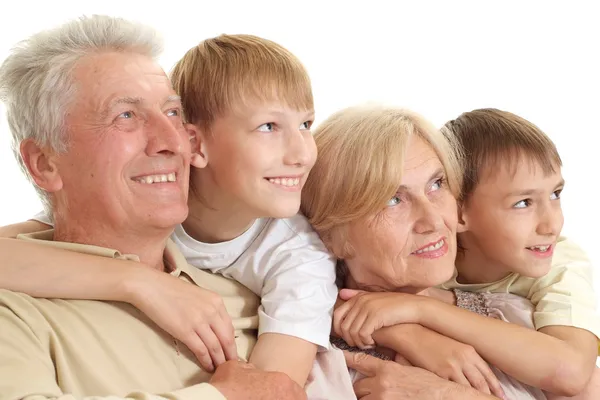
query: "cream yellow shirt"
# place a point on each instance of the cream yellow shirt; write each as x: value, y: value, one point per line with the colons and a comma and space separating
x: 80, y: 349
x: 565, y: 296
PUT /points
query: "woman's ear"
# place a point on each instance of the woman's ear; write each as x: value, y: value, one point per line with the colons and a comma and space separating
x: 197, y: 142
x: 462, y: 218
x: 42, y: 165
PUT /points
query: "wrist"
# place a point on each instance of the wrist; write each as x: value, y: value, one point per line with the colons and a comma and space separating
x: 133, y: 287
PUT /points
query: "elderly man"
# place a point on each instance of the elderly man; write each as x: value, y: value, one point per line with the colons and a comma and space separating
x: 98, y: 129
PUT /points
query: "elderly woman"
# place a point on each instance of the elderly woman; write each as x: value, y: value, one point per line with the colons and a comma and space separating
x: 382, y: 197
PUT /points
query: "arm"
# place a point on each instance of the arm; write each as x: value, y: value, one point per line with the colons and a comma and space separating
x: 191, y: 314
x: 11, y: 231
x: 534, y: 358
x: 290, y: 355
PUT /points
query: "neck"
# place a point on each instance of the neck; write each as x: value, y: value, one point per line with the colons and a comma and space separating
x: 474, y: 267
x: 147, y: 246
x: 214, y: 218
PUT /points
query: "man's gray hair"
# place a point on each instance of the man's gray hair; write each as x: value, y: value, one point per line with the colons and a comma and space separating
x: 36, y: 82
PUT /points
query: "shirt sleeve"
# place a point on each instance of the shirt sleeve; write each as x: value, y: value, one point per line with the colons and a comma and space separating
x: 28, y: 373
x: 565, y: 296
x: 298, y: 291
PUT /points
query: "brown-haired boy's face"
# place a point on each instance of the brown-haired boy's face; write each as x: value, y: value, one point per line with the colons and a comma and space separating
x: 512, y: 221
x: 258, y: 158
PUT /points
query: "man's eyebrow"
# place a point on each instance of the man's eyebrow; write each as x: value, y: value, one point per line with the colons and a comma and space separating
x: 172, y: 99
x: 121, y: 100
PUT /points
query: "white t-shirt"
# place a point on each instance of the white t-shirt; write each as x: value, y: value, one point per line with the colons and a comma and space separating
x: 281, y: 260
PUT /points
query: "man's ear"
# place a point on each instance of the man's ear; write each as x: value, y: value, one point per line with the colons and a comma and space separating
x: 463, y: 225
x: 42, y: 166
x: 198, y: 143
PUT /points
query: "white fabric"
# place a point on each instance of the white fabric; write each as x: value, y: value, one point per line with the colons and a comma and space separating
x: 281, y: 260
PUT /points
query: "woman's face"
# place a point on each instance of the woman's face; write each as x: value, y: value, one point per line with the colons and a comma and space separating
x: 411, y: 244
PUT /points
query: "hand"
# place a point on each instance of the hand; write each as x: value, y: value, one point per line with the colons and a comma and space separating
x: 454, y: 361
x: 391, y: 381
x: 239, y: 380
x: 195, y: 316
x: 365, y: 312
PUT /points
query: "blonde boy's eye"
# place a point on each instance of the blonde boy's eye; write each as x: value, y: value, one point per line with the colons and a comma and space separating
x: 268, y: 127
x: 556, y: 195
x: 306, y: 125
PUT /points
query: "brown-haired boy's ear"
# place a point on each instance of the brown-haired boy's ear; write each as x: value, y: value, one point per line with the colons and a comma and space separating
x: 42, y: 166
x: 462, y: 218
x: 199, y: 159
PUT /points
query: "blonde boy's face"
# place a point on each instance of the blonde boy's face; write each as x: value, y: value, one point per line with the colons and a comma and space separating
x: 512, y: 220
x: 258, y: 159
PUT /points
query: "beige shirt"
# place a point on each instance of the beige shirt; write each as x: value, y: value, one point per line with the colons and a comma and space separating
x: 564, y: 296
x: 81, y: 349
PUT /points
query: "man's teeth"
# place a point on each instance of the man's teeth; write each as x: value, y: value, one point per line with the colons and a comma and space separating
x: 431, y: 248
x: 290, y: 182
x: 543, y: 249
x: 150, y: 179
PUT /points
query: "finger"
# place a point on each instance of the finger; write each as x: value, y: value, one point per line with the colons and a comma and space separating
x: 364, y: 387
x: 369, y: 326
x: 349, y: 322
x: 491, y: 379
x: 347, y: 294
x: 460, y: 378
x: 338, y: 317
x: 212, y: 343
x: 476, y: 379
x: 399, y: 359
x: 226, y: 335
x: 363, y: 363
x: 355, y: 326
x: 196, y: 346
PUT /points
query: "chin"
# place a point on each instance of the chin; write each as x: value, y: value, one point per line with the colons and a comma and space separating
x: 282, y: 209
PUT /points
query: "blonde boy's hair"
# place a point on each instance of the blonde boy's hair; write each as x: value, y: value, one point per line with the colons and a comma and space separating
x: 489, y: 137
x: 230, y: 71
x: 360, y: 164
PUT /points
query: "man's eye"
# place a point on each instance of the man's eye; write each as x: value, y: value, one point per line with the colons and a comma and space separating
x: 126, y: 115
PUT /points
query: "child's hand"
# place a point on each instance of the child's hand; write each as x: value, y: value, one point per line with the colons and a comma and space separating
x: 195, y: 316
x: 364, y: 312
x: 455, y: 361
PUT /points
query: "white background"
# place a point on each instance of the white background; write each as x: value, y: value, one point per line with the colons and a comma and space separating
x: 539, y: 59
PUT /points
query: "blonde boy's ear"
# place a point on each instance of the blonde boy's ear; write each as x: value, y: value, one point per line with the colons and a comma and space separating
x: 42, y: 166
x: 462, y: 218
x: 197, y: 142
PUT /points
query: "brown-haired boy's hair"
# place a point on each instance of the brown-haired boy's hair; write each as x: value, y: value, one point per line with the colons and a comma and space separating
x: 489, y: 136
x: 228, y: 71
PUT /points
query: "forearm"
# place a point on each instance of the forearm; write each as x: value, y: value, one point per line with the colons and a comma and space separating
x: 531, y: 357
x: 404, y: 339
x: 284, y: 353
x: 43, y: 271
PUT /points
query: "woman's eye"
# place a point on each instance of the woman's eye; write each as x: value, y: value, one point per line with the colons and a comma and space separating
x: 522, y: 204
x: 306, y: 125
x: 437, y: 185
x: 394, y: 201
x: 268, y: 127
x: 556, y: 195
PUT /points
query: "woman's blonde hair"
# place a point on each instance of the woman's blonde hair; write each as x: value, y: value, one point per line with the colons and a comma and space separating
x: 359, y: 168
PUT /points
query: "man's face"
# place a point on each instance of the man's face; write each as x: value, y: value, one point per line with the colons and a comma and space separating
x: 127, y: 162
